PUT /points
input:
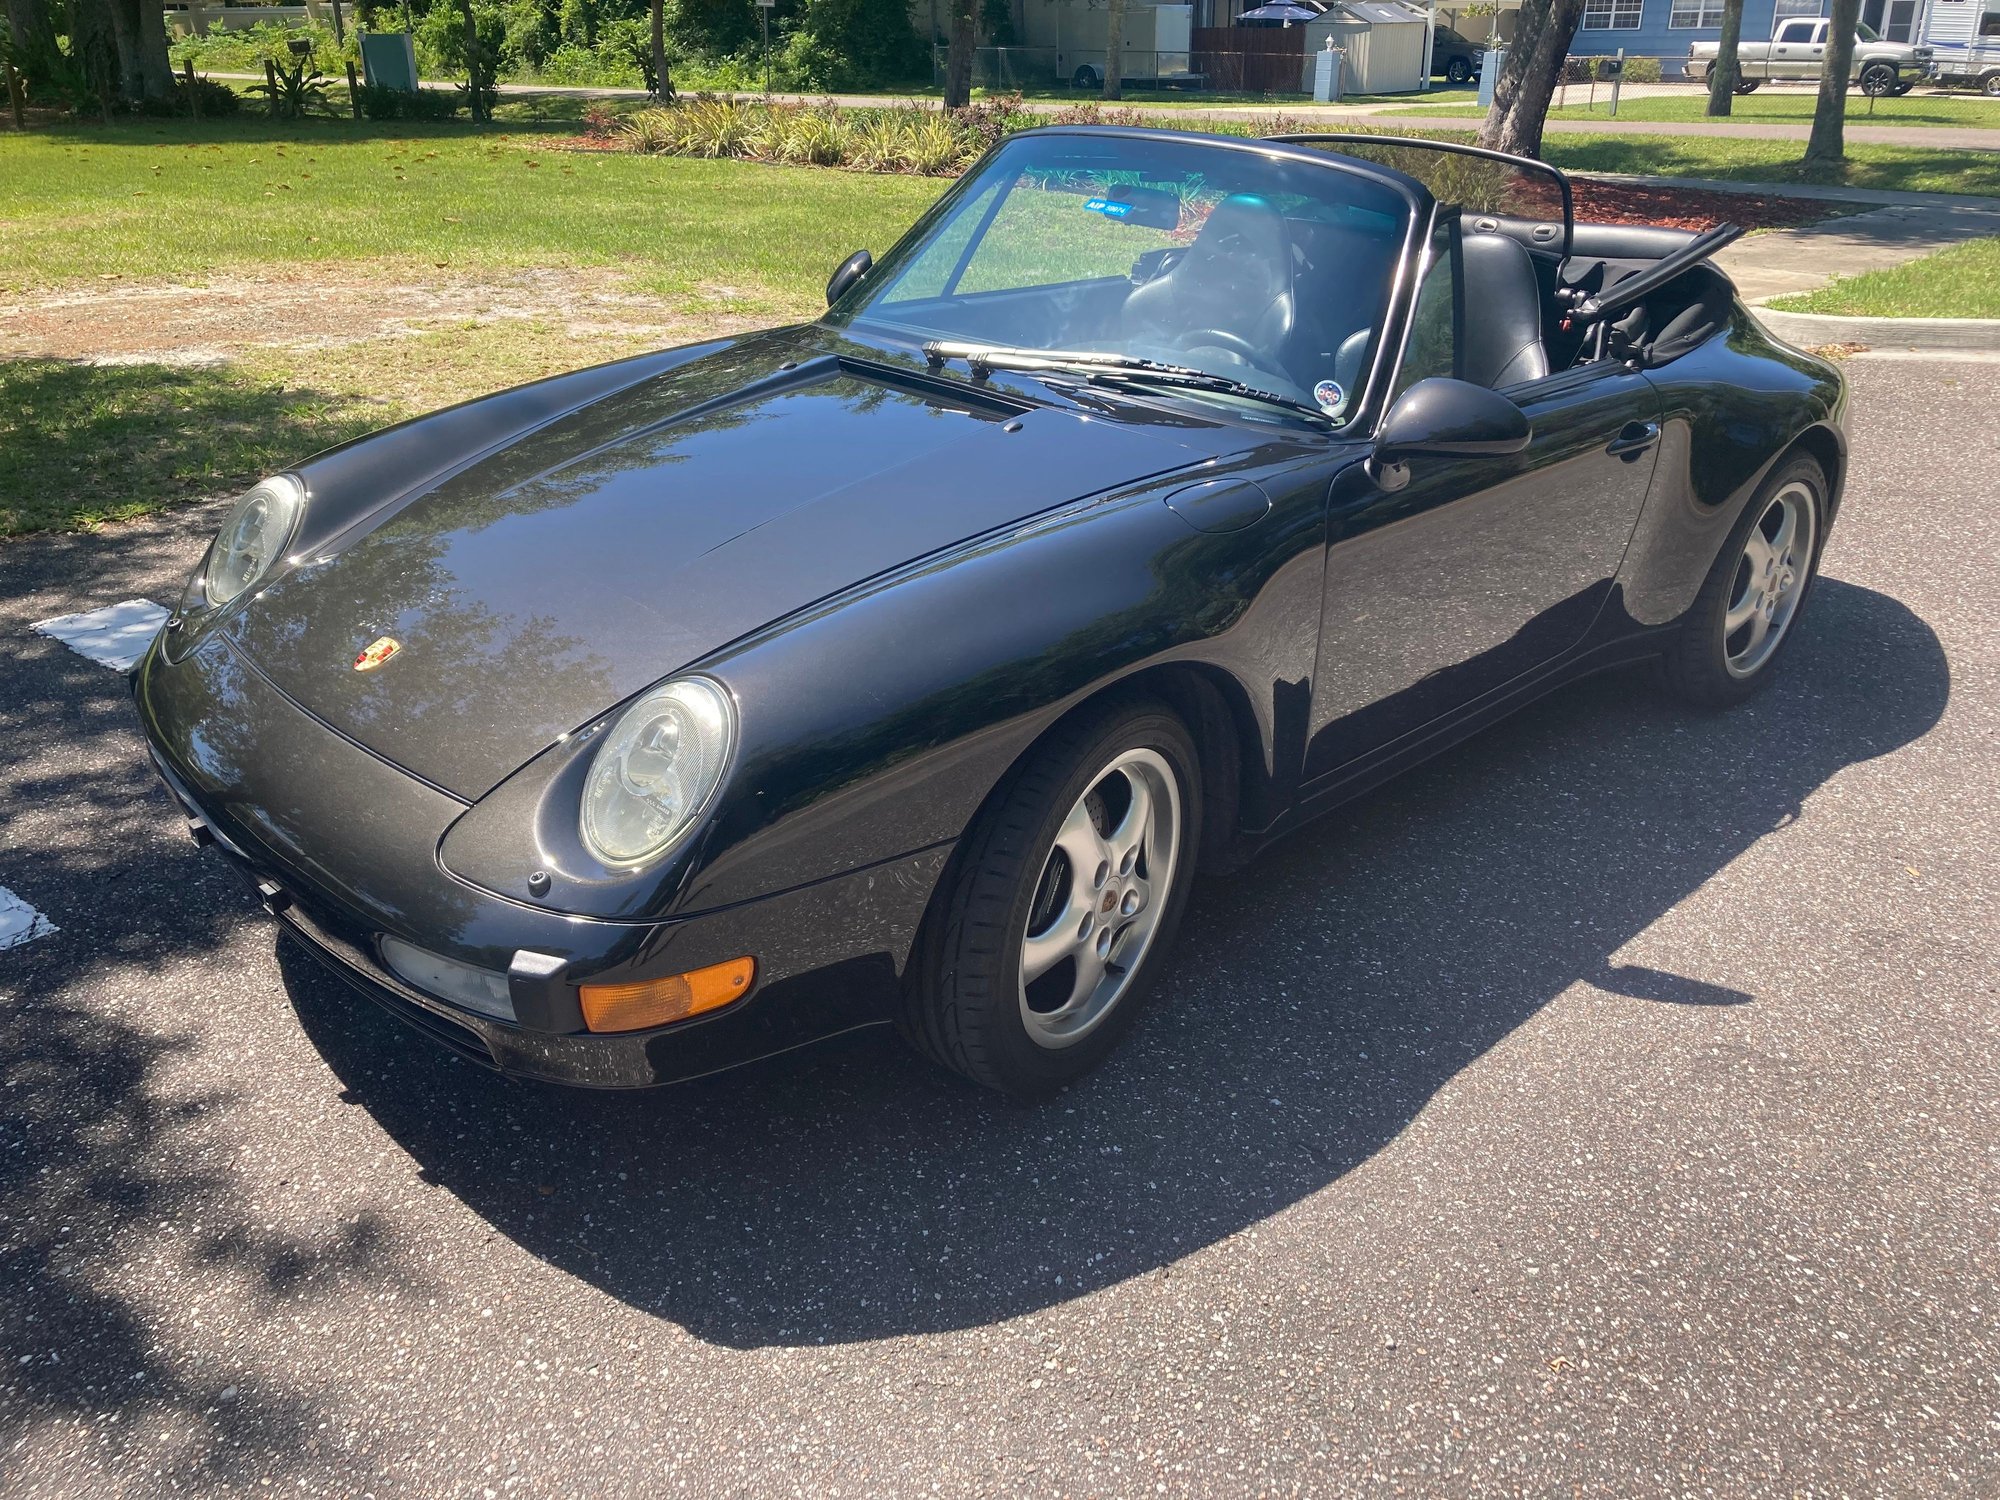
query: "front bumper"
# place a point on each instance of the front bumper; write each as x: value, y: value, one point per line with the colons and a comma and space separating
x: 342, y: 849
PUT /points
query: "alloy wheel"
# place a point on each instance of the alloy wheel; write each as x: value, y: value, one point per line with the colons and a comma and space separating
x: 1771, y: 578
x: 1100, y: 897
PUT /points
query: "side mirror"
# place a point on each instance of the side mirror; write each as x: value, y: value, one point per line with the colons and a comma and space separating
x: 851, y: 270
x: 1446, y: 419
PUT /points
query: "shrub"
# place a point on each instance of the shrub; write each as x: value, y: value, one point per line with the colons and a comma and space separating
x: 379, y: 103
x: 1642, y: 70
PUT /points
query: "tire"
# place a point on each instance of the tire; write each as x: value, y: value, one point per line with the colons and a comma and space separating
x: 1458, y: 70
x: 1747, y: 85
x: 1990, y: 84
x: 1014, y: 886
x: 1087, y: 77
x: 1712, y: 665
x: 1877, y: 79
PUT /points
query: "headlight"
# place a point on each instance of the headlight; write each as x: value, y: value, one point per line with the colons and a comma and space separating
x: 656, y: 770
x: 255, y: 536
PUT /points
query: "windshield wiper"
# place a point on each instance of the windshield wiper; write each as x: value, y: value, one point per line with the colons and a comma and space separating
x: 1104, y: 368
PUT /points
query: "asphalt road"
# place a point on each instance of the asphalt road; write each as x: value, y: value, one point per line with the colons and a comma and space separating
x: 1610, y: 1107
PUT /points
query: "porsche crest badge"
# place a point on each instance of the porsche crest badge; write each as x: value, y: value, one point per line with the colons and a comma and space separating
x: 376, y: 652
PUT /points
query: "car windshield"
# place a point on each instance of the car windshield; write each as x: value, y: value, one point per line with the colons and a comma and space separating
x: 1866, y: 32
x: 1251, y: 267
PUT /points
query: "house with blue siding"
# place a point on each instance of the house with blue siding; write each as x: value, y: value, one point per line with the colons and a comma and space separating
x: 1667, y: 28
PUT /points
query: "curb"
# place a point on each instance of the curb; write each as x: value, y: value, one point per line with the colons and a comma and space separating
x: 1930, y: 335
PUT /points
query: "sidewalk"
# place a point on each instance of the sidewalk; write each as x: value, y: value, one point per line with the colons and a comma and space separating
x: 1782, y: 261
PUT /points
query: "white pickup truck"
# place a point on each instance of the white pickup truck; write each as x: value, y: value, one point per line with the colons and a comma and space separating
x: 1798, y: 52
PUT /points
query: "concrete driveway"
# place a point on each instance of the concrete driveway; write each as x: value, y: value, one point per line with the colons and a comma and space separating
x: 1611, y: 1107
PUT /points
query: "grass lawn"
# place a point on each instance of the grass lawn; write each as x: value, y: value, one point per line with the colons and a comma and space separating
x: 1962, y: 282
x: 334, y: 277
x: 1970, y: 112
x: 1915, y: 169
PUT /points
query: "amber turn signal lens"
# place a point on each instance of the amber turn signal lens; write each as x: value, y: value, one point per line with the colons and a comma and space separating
x: 655, y: 1002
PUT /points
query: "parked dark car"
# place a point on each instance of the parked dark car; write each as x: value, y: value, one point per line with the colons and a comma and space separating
x: 1454, y: 57
x: 1154, y: 494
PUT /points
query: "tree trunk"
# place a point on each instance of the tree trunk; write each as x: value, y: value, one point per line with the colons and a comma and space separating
x: 662, y: 85
x: 1114, y: 51
x: 475, y: 64
x: 93, y: 44
x: 1723, y: 76
x: 958, y: 55
x: 1528, y: 79
x: 156, y: 69
x: 1827, y: 146
x: 34, y: 38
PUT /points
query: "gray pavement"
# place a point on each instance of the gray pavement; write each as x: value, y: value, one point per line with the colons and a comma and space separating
x: 1803, y: 260
x: 1611, y: 1107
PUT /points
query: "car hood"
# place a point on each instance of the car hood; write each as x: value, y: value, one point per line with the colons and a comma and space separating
x: 541, y: 583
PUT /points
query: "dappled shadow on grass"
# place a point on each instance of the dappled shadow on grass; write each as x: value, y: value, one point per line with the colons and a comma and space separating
x: 1316, y: 1005
x: 82, y: 443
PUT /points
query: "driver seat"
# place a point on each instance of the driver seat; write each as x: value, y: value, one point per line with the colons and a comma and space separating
x: 1502, y: 339
x: 1236, y: 279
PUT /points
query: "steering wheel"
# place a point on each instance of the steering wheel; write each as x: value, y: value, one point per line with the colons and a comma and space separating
x: 1229, y: 343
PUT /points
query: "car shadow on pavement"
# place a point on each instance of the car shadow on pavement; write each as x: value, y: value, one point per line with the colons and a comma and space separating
x: 1317, y: 1003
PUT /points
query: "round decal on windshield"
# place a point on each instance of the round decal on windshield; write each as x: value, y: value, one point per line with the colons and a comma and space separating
x: 1329, y: 395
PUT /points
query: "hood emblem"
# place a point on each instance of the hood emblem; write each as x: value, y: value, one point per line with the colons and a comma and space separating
x: 376, y: 652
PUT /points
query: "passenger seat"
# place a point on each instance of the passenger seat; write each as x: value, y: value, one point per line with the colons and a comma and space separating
x: 1502, y: 339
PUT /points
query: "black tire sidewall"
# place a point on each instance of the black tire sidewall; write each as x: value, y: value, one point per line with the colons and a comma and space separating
x: 1875, y: 74
x: 984, y: 970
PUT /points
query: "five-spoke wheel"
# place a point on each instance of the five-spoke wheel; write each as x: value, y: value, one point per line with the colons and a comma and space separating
x: 1060, y: 901
x: 1745, y: 611
x: 1096, y: 909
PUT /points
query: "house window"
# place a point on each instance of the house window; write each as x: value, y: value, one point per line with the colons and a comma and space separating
x: 1689, y: 13
x: 1611, y: 15
x: 1796, y: 8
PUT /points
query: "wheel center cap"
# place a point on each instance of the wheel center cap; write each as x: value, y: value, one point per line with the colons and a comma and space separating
x: 1110, y: 900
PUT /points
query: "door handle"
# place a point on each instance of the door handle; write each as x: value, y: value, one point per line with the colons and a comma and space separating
x: 1633, y: 439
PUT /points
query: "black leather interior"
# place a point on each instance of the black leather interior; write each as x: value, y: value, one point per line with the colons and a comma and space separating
x: 1501, y: 342
x: 1236, y: 278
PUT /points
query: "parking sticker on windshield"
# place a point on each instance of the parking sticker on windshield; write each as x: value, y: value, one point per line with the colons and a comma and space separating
x: 1329, y: 395
x: 1110, y: 207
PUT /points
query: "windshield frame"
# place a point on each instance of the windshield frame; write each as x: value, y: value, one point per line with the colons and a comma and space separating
x: 846, y: 315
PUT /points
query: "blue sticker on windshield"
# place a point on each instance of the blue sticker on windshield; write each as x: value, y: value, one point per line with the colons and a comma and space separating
x: 1109, y: 207
x: 1329, y: 396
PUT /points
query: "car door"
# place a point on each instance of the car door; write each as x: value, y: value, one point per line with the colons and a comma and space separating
x: 1797, y: 49
x: 1476, y: 571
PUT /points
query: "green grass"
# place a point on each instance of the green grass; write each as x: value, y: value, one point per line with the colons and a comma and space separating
x: 1913, y: 169
x: 1962, y: 282
x: 179, y: 201
x: 1783, y: 109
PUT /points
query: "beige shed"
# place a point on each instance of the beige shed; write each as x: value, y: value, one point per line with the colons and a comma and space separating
x: 1384, y: 41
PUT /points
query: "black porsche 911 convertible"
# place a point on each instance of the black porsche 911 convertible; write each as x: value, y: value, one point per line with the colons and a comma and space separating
x: 1155, y: 493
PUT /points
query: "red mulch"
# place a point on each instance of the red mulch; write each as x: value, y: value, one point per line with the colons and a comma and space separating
x: 1690, y: 208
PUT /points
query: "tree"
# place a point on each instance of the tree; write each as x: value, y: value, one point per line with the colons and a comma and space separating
x: 1827, y: 146
x: 1528, y: 78
x: 958, y: 54
x: 1723, y: 76
x: 662, y: 83
x: 33, y: 44
x: 1114, y: 51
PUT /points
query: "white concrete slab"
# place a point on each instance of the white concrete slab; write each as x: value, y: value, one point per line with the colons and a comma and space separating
x: 115, y: 636
x: 19, y: 922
